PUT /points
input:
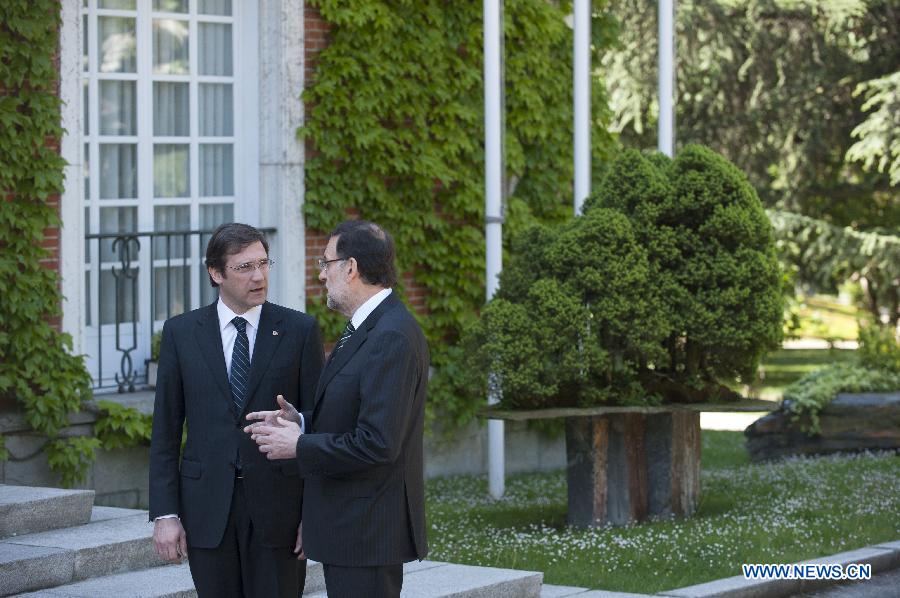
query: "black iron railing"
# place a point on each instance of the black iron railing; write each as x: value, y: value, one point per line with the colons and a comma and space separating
x: 134, y: 282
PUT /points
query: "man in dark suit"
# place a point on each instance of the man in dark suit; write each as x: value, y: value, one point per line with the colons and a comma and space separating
x: 235, y: 514
x: 359, y: 449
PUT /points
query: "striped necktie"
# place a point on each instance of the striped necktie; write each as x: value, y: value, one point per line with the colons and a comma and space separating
x: 240, y: 364
x: 345, y: 336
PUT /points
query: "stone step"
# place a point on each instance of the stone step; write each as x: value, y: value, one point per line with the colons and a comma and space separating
x: 117, y: 540
x: 172, y: 581
x: 29, y: 510
x: 433, y: 579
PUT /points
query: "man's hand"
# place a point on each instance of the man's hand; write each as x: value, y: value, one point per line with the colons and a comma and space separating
x: 278, y: 441
x: 169, y: 539
x: 298, y: 548
x: 287, y: 413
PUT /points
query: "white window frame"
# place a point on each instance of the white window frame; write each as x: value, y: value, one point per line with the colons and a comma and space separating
x: 245, y: 79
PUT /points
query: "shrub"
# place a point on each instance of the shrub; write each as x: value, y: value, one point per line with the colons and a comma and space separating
x: 806, y: 397
x: 667, y: 283
x: 879, y: 348
x: 570, y: 325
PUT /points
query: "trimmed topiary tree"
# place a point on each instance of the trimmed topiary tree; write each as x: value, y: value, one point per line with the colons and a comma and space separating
x: 666, y: 286
x: 727, y: 266
x: 571, y: 323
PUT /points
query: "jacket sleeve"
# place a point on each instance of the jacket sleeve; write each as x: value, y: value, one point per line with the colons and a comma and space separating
x: 168, y: 421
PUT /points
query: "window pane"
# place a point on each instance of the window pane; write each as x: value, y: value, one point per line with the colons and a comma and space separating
x: 118, y: 108
x: 117, y: 220
x: 171, y: 292
x: 87, y: 299
x: 170, y: 5
x: 215, y: 7
x: 170, y: 218
x: 216, y: 170
x: 215, y: 49
x: 87, y: 242
x: 86, y: 105
x: 118, y: 171
x: 170, y: 170
x: 119, y: 4
x: 118, y: 294
x: 171, y: 109
x: 117, y: 44
x: 85, y: 64
x: 216, y: 110
x: 170, y: 47
x: 86, y: 174
x: 211, y: 216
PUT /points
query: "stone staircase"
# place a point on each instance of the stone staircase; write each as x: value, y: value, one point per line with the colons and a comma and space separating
x: 56, y: 543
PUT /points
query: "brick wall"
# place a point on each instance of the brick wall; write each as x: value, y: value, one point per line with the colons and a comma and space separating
x: 51, y: 237
x: 316, y: 30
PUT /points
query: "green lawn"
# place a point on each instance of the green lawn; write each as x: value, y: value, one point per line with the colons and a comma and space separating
x: 783, y: 512
x: 781, y: 368
x: 823, y: 316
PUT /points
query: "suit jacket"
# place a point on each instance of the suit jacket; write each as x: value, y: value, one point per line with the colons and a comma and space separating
x: 192, y: 386
x: 361, y: 458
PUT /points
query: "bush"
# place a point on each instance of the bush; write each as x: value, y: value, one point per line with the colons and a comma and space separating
x: 806, y: 397
x: 667, y: 283
x: 879, y: 348
x: 570, y: 324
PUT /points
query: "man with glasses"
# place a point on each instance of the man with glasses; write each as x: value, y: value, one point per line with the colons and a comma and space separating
x: 359, y: 447
x: 234, y: 514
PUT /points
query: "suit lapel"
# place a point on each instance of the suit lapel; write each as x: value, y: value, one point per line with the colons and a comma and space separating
x: 337, y: 362
x: 209, y: 338
x: 263, y: 349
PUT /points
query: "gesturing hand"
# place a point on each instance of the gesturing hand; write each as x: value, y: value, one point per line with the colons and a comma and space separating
x: 277, y: 441
x: 270, y: 418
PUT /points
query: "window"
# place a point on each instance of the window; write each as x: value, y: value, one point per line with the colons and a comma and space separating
x: 161, y: 91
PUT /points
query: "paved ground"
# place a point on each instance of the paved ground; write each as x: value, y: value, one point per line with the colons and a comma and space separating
x: 885, y: 585
x: 728, y: 421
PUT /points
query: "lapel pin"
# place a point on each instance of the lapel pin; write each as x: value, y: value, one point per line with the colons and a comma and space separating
x: 274, y: 333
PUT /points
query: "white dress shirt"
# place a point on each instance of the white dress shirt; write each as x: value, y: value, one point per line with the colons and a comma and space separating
x: 229, y: 332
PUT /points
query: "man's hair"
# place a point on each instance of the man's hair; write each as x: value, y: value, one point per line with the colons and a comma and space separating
x: 373, y: 248
x: 227, y: 240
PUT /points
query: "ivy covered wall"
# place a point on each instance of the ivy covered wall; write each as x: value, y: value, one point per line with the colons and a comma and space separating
x: 395, y: 117
x: 36, y: 368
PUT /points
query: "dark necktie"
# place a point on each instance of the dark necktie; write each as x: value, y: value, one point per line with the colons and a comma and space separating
x: 240, y: 364
x: 345, y: 336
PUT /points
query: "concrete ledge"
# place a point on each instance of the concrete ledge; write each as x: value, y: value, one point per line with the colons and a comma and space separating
x: 100, y: 548
x: 433, y: 579
x: 571, y: 591
x: 27, y: 510
x: 172, y: 581
x: 24, y: 568
x: 881, y: 557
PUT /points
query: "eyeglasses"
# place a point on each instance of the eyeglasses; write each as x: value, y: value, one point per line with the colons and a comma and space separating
x: 248, y: 267
x: 322, y: 263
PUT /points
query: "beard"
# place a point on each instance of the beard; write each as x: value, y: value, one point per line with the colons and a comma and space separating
x: 335, y: 302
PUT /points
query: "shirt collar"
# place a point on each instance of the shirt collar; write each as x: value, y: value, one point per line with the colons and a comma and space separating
x: 363, y: 311
x: 226, y: 315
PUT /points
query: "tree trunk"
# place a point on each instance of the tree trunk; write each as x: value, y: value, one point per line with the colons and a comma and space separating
x: 627, y: 467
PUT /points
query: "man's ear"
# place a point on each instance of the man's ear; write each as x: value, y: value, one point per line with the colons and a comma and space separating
x: 215, y: 274
x: 353, y: 270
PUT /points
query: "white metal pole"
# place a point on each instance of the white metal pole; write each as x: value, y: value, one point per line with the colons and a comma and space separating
x: 581, y: 68
x: 493, y: 214
x: 667, y: 77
